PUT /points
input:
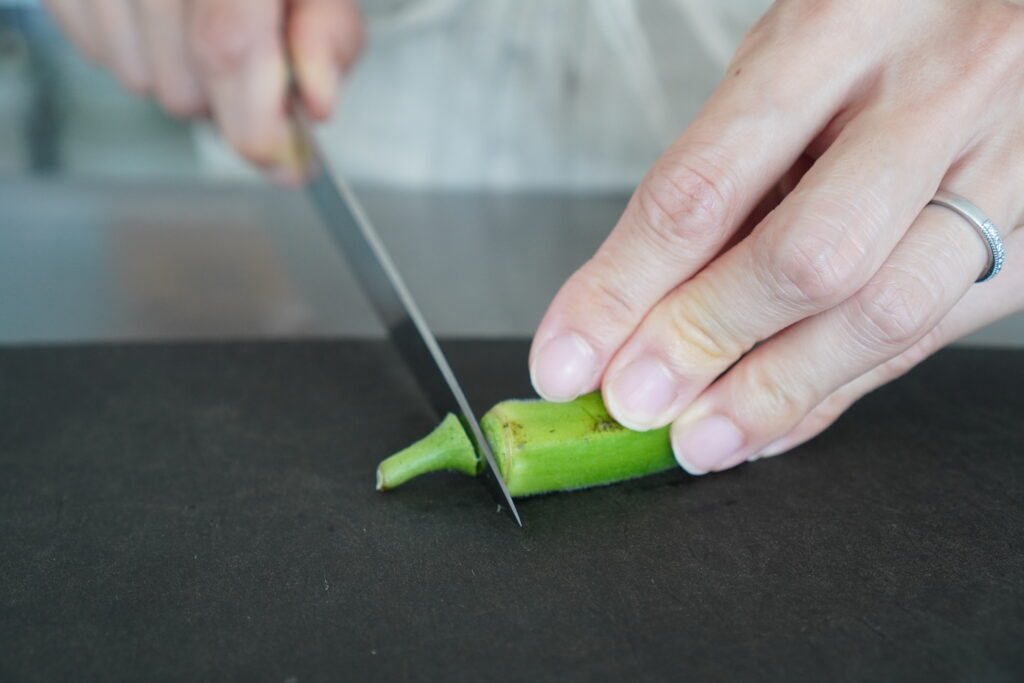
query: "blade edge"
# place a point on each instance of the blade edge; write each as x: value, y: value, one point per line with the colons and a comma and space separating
x: 333, y: 197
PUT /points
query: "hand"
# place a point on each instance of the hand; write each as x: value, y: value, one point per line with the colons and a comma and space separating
x: 792, y: 212
x: 226, y: 58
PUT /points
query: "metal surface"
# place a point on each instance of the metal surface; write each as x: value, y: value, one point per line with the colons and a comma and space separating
x: 352, y: 232
x: 100, y: 262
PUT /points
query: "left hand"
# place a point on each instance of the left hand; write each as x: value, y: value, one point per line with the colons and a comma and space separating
x: 792, y: 212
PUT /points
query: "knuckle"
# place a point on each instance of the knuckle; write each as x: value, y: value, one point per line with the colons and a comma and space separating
x: 682, y: 204
x: 989, y: 49
x: 896, y: 309
x: 818, y: 259
x: 998, y: 30
x: 697, y: 336
x: 804, y: 21
x: 607, y: 300
x: 816, y: 270
x: 814, y: 12
x: 774, y: 400
x: 790, y: 38
x: 835, y: 19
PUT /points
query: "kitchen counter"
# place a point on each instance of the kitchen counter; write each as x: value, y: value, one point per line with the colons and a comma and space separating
x: 207, y: 511
x: 97, y: 261
x: 115, y: 261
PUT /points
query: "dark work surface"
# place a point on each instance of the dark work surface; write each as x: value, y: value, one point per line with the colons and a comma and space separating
x: 208, y: 512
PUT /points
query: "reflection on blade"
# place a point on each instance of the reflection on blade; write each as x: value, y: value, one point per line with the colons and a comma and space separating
x: 351, y: 230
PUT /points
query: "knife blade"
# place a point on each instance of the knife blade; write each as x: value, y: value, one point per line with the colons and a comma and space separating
x: 354, y: 235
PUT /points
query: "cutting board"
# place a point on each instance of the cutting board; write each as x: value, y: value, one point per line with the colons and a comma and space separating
x: 208, y: 512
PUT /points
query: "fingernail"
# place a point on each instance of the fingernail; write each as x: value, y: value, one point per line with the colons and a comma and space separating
x: 688, y: 466
x: 774, y: 448
x: 564, y: 368
x: 641, y: 393
x: 708, y: 443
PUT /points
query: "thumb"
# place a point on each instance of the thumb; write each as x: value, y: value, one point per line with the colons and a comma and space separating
x: 324, y: 38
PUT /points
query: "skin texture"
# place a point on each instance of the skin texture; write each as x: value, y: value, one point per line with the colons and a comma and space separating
x: 778, y: 261
x: 225, y: 59
x: 791, y: 215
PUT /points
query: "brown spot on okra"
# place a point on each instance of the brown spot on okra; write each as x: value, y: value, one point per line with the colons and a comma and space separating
x: 607, y: 426
x: 515, y: 429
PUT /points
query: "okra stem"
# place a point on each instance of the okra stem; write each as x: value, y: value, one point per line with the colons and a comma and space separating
x: 446, y: 448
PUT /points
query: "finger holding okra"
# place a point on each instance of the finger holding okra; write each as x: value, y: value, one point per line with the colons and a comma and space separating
x: 748, y: 337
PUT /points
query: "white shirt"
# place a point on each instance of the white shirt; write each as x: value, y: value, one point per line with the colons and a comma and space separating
x: 525, y: 94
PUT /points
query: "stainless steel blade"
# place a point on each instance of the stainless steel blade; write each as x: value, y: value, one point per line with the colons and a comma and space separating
x: 352, y: 232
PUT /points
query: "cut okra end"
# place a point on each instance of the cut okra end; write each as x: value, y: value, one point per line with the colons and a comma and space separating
x: 540, y: 447
x: 446, y: 448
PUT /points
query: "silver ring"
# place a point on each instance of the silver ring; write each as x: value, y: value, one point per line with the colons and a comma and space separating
x: 980, y: 222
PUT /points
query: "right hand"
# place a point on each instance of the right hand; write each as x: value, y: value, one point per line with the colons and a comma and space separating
x: 226, y: 59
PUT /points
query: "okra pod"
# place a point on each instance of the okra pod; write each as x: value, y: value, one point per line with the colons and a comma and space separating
x: 539, y: 447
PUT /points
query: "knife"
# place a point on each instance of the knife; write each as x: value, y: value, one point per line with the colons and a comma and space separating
x: 354, y: 235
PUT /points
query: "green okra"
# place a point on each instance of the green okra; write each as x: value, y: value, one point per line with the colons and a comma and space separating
x: 539, y: 447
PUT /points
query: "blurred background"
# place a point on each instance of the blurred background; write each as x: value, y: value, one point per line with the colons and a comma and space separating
x: 120, y: 223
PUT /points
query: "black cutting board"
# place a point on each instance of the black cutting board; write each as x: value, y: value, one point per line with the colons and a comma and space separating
x: 208, y: 512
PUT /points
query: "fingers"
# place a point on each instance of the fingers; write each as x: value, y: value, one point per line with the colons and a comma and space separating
x: 774, y: 389
x: 324, y: 38
x: 685, y: 211
x: 172, y: 70
x: 76, y: 19
x: 239, y: 50
x: 978, y: 308
x: 119, y: 43
x: 828, y: 410
x: 822, y: 243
